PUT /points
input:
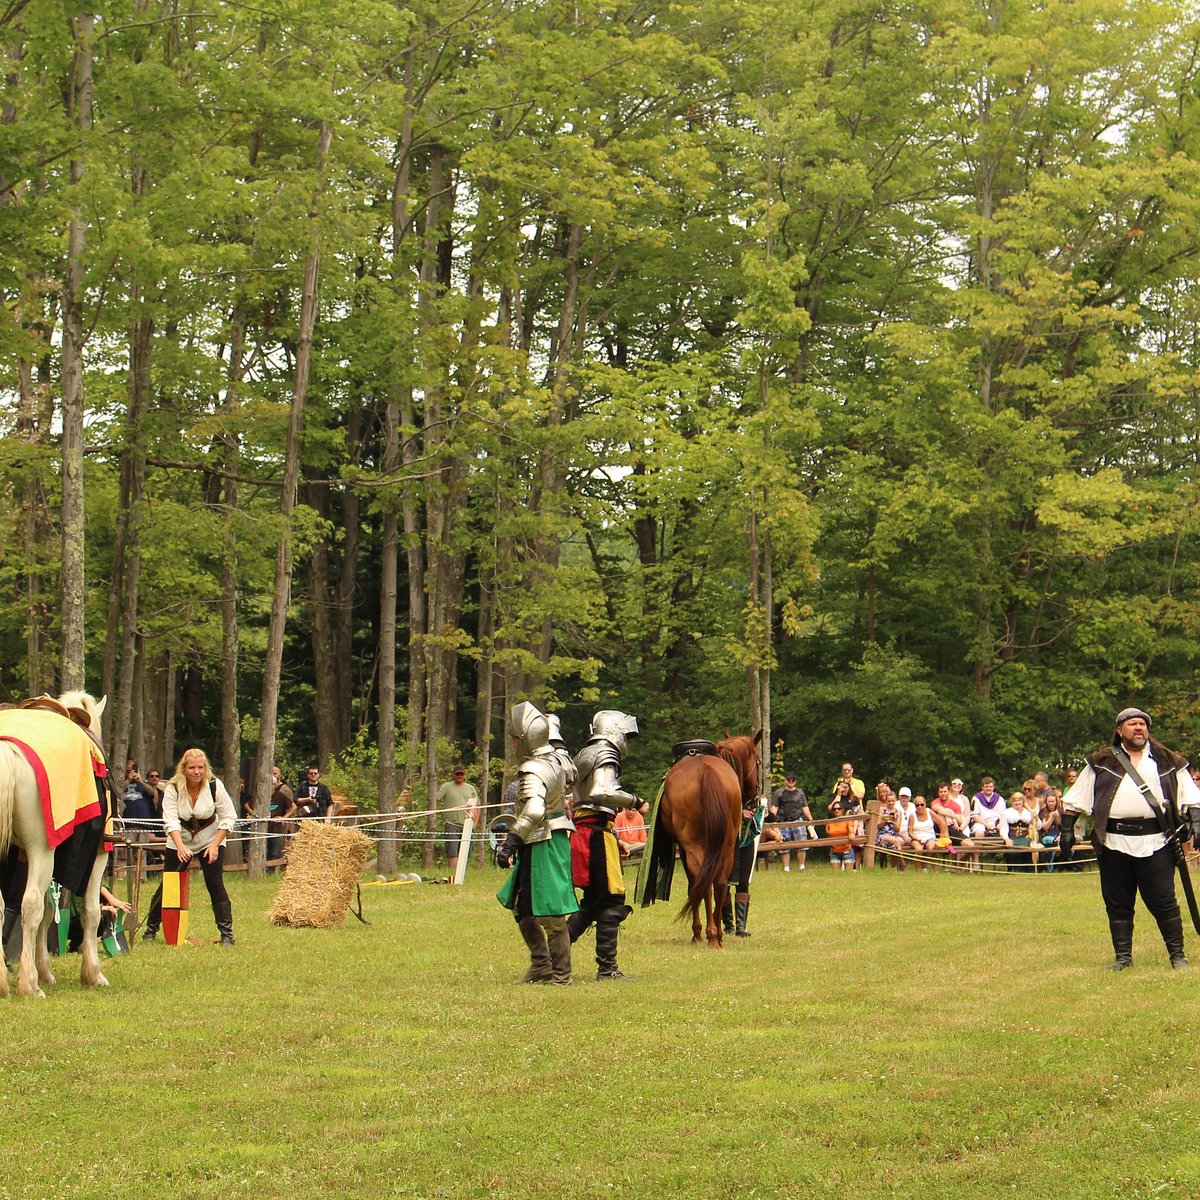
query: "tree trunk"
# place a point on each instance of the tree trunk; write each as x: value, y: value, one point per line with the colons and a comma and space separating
x: 231, y: 726
x: 141, y: 333
x: 71, y: 673
x: 272, y: 672
x: 34, y: 419
x: 439, y: 513
x: 402, y: 396
x: 170, y: 701
x: 137, y: 727
x: 768, y: 618
x: 326, y: 666
x: 388, y: 567
x: 343, y: 615
x: 484, y: 693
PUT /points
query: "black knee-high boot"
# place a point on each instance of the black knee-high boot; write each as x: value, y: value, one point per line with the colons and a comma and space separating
x: 608, y: 929
x: 223, y: 913
x: 727, y: 912
x: 1171, y: 928
x: 743, y: 913
x: 1121, y: 931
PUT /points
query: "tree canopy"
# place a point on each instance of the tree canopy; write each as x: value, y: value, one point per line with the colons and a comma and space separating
x: 828, y: 367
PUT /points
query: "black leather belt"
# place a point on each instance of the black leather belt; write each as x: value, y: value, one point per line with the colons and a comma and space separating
x: 1133, y: 826
x: 194, y: 824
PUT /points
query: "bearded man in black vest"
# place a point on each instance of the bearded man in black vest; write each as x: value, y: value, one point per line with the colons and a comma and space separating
x: 1129, y: 837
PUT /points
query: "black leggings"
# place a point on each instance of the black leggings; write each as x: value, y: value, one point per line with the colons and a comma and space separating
x: 214, y: 880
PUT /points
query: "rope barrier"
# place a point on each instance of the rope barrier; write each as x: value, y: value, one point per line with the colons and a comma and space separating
x: 959, y: 860
x: 373, y: 828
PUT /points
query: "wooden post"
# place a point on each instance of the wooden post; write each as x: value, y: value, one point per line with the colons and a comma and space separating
x: 873, y: 808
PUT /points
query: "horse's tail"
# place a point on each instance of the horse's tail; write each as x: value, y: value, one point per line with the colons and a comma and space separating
x: 714, y: 810
x: 8, y: 793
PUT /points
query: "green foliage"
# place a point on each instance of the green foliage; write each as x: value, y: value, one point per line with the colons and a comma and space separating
x: 910, y: 292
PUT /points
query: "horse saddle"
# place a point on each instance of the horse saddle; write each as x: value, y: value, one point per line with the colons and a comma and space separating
x: 79, y: 715
x: 691, y: 748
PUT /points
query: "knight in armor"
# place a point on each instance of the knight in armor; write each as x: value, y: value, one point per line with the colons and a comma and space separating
x: 595, y: 852
x: 539, y: 892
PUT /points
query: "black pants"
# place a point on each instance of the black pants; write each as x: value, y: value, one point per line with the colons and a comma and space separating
x: 214, y: 880
x: 1122, y: 877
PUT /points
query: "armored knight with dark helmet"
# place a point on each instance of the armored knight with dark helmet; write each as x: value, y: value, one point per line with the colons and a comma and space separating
x: 539, y: 892
x: 595, y: 852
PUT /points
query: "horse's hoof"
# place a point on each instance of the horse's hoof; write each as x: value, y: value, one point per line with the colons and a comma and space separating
x: 100, y: 981
x: 48, y: 979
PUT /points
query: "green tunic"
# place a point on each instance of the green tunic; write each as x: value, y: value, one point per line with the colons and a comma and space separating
x: 540, y: 885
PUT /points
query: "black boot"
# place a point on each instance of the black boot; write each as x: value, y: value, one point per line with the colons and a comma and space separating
x: 1122, y: 940
x: 743, y: 911
x: 1171, y: 928
x: 727, y: 912
x: 154, y: 916
x: 223, y: 912
x: 577, y: 925
x: 540, y: 969
x: 12, y: 935
x: 559, y: 943
x: 608, y: 928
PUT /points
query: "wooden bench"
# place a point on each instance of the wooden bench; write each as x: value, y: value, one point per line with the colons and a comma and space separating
x: 941, y: 855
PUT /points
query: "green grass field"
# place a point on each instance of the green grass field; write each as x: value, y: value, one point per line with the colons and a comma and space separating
x: 879, y: 1035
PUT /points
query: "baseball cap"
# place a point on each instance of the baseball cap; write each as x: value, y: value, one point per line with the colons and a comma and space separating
x: 905, y: 791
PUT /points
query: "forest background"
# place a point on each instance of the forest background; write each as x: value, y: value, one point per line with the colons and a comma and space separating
x: 826, y: 367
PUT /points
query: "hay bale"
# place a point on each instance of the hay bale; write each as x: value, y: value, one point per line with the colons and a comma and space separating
x: 324, y: 864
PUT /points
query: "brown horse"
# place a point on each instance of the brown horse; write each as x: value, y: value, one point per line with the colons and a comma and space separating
x: 701, y: 812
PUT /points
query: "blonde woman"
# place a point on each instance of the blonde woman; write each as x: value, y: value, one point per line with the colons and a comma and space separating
x: 197, y: 815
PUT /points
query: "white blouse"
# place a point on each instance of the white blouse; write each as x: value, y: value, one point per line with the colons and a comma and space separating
x: 178, y: 808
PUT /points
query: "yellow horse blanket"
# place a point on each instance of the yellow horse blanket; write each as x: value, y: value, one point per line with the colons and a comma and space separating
x: 65, y: 761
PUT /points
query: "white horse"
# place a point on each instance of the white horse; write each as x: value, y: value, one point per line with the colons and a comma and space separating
x: 22, y: 821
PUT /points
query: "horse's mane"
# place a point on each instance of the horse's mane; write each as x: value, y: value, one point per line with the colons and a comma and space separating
x: 741, y: 753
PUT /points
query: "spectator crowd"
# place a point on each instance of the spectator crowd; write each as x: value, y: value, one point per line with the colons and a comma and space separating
x: 1026, y: 823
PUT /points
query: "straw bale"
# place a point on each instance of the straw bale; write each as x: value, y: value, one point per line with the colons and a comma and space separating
x: 324, y: 864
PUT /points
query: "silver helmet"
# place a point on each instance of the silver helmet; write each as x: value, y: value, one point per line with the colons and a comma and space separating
x: 555, y: 736
x: 615, y: 727
x: 529, y: 725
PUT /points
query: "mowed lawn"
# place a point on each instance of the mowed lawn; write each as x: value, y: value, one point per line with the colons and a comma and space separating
x: 924, y: 1035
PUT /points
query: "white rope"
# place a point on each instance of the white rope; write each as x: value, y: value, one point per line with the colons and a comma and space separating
x: 959, y: 860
